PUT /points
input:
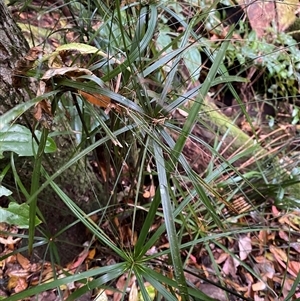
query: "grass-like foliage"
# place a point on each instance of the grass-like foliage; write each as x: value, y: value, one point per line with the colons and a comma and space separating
x: 139, y: 92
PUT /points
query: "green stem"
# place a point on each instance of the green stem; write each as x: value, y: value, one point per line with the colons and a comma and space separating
x: 35, y: 184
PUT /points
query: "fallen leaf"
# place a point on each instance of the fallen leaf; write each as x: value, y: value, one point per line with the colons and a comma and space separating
x: 213, y: 291
x: 21, y: 285
x: 281, y: 258
x: 294, y: 266
x: 245, y: 247
x: 23, y: 261
x: 12, y: 283
x: 295, y: 246
x: 235, y: 285
x: 69, y: 72
x: 33, y: 54
x: 262, y: 240
x: 9, y: 240
x: 45, y: 296
x: 109, y: 292
x: 295, y: 218
x: 133, y: 295
x: 283, y: 235
x: 100, y: 101
x: 258, y: 286
x: 230, y: 266
x: 91, y: 254
x: 286, y: 13
x: 42, y: 113
x: 78, y: 261
x: 221, y: 258
x: 249, y: 278
x: 121, y: 287
x: 292, y: 220
x: 24, y: 65
x: 278, y: 253
x: 286, y: 286
x: 275, y: 211
x: 16, y: 272
x: 260, y: 15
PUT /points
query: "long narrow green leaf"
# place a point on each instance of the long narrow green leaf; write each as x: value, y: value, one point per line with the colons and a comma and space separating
x: 35, y: 184
x: 170, y: 79
x: 182, y: 99
x: 86, y: 87
x: 141, y: 283
x: 139, y: 248
x: 139, y: 32
x: 157, y: 278
x: 194, y: 111
x: 142, y: 46
x: 109, y: 276
x: 293, y: 289
x: 163, y: 61
x: 169, y: 220
x: 78, y: 157
x: 17, y: 178
x: 199, y: 184
x: 83, y: 276
x: 81, y: 215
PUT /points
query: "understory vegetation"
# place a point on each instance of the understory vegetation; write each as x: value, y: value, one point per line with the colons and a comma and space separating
x: 160, y: 157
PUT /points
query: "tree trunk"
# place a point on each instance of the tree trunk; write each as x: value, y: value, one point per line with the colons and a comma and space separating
x: 76, y: 181
x: 13, y: 47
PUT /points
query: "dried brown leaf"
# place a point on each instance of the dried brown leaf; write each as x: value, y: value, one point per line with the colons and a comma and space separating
x: 230, y: 267
x: 275, y: 211
x: 21, y: 285
x: 9, y: 240
x: 292, y: 219
x: 99, y: 100
x: 294, y: 266
x: 295, y: 246
x: 23, y: 261
x: 283, y: 235
x: 133, y: 295
x: 278, y: 253
x: 221, y: 258
x: 42, y: 113
x: 260, y: 15
x: 245, y: 247
x: 69, y: 72
x: 78, y: 261
x: 121, y: 287
x: 12, y: 283
x: 258, y: 286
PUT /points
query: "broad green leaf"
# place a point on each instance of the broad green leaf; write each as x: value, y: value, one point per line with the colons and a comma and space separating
x: 18, y: 139
x: 4, y: 191
x: 192, y: 59
x: 164, y: 40
x: 17, y: 215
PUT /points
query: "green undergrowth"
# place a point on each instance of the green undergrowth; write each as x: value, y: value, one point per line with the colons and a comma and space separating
x: 149, y: 71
